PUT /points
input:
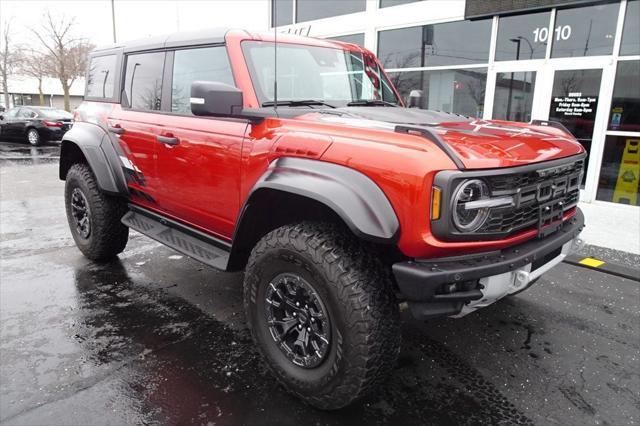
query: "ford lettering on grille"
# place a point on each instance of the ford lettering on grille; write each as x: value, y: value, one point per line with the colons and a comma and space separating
x: 540, y: 198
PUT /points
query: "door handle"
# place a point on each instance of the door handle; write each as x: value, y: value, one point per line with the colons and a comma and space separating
x: 168, y: 140
x: 116, y: 129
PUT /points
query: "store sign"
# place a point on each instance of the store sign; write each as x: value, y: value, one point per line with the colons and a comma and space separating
x: 484, y: 8
x: 574, y: 105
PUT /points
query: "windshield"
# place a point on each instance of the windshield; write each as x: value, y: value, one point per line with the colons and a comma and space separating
x: 55, y: 114
x: 334, y: 76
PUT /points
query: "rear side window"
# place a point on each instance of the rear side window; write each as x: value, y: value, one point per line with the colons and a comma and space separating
x: 204, y: 64
x: 27, y: 113
x: 143, y: 80
x: 101, y: 76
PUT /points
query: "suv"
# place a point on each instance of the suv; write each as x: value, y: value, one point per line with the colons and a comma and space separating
x: 337, y: 201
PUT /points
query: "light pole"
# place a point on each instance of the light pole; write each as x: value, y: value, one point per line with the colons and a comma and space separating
x: 104, y: 82
x: 133, y: 75
x: 517, y: 41
x: 113, y: 19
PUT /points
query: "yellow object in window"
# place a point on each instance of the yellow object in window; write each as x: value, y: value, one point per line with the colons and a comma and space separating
x: 626, y: 190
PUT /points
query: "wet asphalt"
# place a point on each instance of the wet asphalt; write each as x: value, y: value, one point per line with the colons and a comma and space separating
x: 157, y: 338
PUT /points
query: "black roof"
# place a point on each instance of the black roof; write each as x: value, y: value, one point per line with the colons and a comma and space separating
x: 186, y: 38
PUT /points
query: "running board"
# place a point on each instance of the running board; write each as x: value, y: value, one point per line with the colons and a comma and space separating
x: 188, y: 241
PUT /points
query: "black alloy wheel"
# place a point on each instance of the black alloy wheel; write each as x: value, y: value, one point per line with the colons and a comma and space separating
x: 298, y: 320
x: 81, y: 213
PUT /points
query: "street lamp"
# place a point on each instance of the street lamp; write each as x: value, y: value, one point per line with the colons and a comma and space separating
x: 517, y: 41
x: 104, y: 82
x: 133, y: 75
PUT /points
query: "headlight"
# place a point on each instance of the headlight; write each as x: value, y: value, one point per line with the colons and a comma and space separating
x: 468, y: 214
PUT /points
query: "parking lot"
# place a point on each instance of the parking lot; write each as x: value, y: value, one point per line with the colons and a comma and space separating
x: 155, y: 337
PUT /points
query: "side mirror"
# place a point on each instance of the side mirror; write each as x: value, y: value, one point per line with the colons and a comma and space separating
x: 209, y: 98
x: 415, y: 99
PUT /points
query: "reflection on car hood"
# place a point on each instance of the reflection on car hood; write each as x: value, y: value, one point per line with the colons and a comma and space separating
x: 477, y: 143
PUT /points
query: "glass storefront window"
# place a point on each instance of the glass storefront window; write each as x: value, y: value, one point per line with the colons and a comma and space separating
x: 452, y: 43
x: 281, y: 12
x: 574, y: 101
x: 522, y: 37
x: 309, y: 10
x: 350, y: 38
x: 514, y: 96
x: 458, y: 91
x: 625, y: 105
x: 584, y: 31
x: 631, y: 31
x: 619, y: 174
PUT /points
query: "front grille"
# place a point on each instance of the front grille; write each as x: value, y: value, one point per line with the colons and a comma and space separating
x: 532, y: 190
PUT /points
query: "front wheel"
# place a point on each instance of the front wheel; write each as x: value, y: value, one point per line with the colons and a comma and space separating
x: 322, y: 313
x: 93, y: 216
x: 33, y: 137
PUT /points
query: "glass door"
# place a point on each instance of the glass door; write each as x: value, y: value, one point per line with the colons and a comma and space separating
x: 574, y: 103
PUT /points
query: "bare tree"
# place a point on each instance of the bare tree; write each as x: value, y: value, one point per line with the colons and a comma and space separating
x: 9, y: 60
x: 37, y: 65
x: 69, y: 53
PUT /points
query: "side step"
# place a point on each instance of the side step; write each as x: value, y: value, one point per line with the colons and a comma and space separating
x: 188, y: 241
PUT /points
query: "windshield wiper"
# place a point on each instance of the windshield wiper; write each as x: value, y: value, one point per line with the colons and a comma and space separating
x: 302, y: 102
x: 371, y: 102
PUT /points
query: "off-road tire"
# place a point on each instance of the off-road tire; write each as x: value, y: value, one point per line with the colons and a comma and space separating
x: 357, y: 291
x: 108, y: 236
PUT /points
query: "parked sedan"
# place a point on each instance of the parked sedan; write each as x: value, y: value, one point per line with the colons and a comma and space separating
x: 34, y: 124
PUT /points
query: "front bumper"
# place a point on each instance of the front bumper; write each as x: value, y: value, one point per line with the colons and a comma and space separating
x: 459, y: 285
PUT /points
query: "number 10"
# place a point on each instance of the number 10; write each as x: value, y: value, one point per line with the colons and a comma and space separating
x: 540, y: 35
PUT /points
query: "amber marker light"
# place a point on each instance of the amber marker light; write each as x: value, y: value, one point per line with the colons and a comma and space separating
x: 435, y: 203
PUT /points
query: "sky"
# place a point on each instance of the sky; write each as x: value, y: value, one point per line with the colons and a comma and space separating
x: 134, y: 18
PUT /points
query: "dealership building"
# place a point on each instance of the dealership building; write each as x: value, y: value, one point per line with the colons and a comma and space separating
x: 572, y: 61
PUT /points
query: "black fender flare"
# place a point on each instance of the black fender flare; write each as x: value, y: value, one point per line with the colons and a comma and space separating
x: 353, y: 196
x: 100, y: 153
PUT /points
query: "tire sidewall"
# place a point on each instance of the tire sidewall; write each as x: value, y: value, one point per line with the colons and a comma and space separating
x: 74, y: 181
x: 303, y: 380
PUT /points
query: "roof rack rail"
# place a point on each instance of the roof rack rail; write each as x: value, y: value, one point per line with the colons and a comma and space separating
x: 428, y: 133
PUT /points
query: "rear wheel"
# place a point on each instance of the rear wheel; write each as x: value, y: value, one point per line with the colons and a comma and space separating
x: 33, y: 137
x: 93, y: 216
x: 322, y: 312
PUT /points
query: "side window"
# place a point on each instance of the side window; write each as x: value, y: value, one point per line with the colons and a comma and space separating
x: 101, y: 75
x: 13, y: 112
x: 27, y: 113
x: 143, y: 80
x: 204, y: 64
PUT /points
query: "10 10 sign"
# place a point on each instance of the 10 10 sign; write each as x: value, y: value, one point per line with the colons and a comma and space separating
x: 541, y: 35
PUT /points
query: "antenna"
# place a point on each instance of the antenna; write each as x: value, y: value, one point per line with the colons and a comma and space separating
x: 275, y: 58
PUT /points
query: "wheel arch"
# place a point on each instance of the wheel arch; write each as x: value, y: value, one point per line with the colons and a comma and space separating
x: 294, y: 190
x: 90, y: 144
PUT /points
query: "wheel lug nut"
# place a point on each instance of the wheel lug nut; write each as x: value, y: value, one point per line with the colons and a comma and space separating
x: 299, y: 326
x: 297, y: 303
x: 308, y: 328
x: 295, y: 314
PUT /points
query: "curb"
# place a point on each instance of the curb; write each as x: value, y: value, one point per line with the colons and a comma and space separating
x: 602, y: 266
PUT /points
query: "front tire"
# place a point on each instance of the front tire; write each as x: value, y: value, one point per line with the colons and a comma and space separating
x: 93, y: 216
x: 322, y: 313
x: 33, y: 137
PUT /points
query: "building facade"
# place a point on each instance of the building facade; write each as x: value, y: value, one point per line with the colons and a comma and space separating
x: 573, y: 61
x: 23, y: 90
